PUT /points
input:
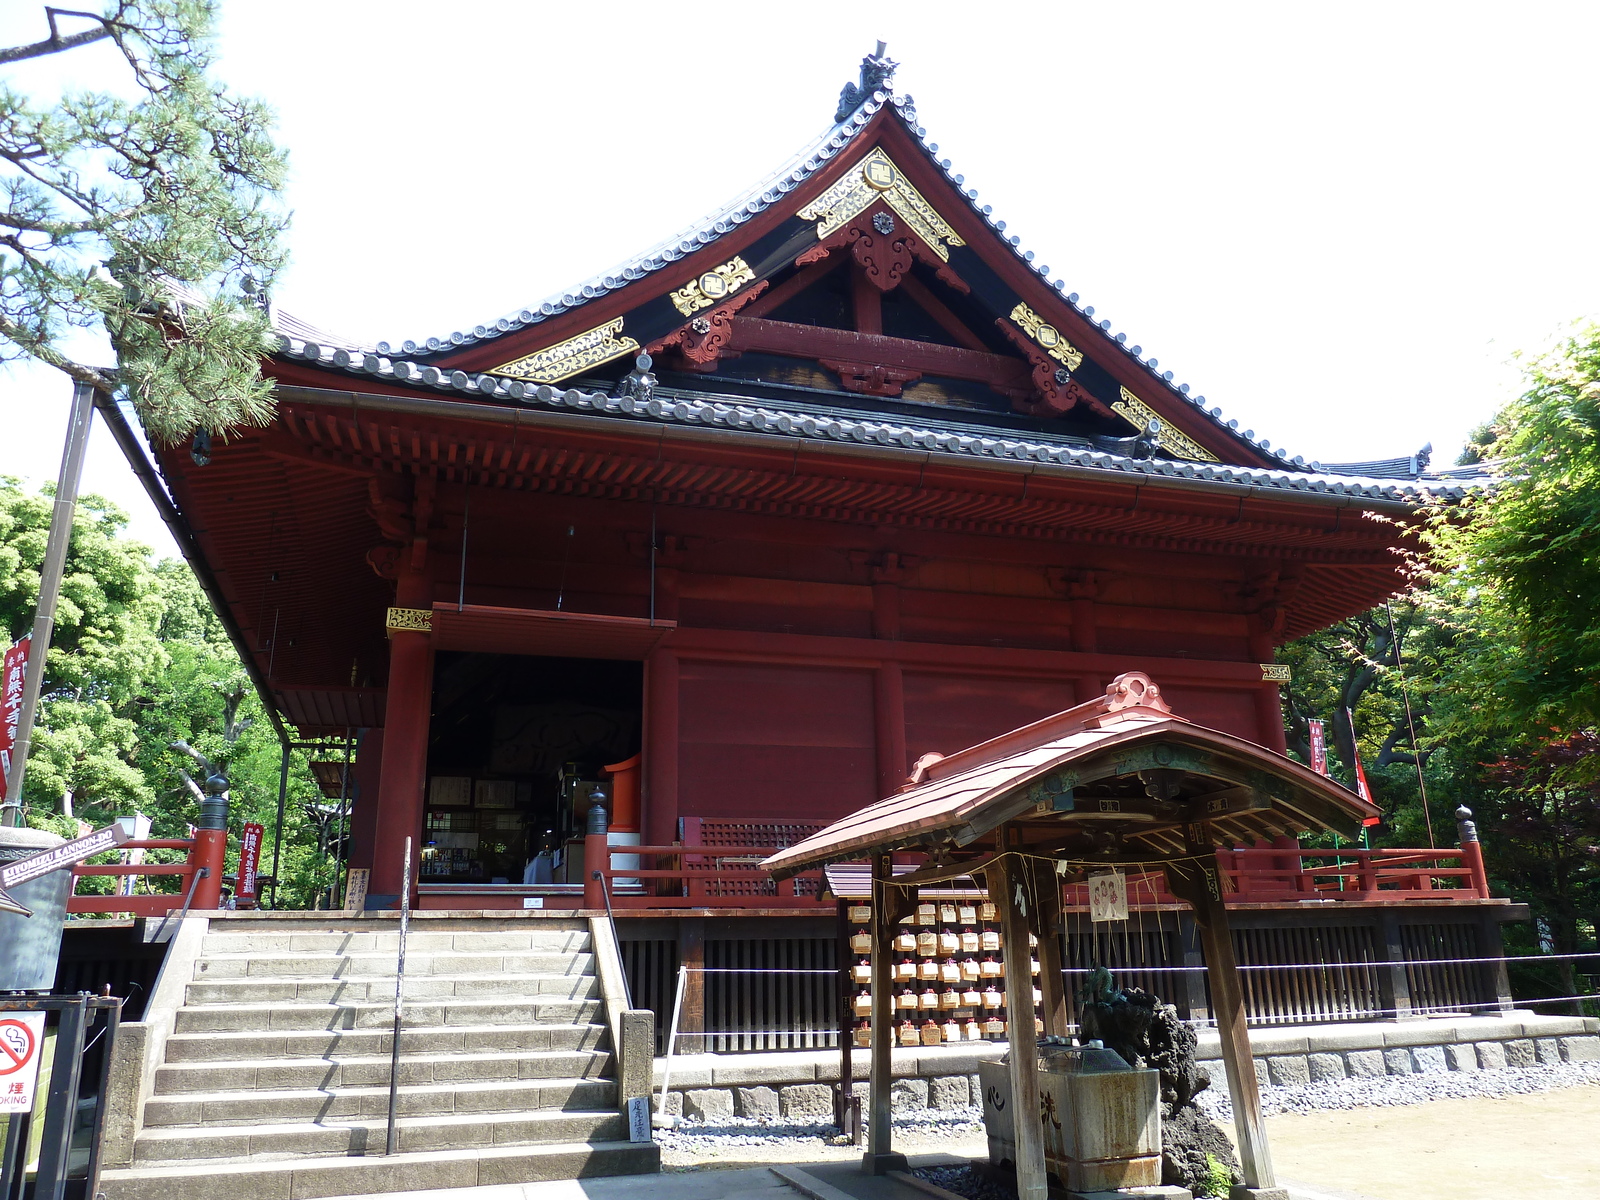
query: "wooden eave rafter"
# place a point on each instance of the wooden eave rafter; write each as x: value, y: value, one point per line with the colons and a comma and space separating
x: 826, y: 486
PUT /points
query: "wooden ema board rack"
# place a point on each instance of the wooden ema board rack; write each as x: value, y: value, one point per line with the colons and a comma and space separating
x: 949, y: 974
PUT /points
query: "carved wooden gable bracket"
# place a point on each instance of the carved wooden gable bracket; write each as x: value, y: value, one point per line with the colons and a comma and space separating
x: 700, y: 343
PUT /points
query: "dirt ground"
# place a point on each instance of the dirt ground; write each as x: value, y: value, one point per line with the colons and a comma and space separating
x: 1511, y: 1148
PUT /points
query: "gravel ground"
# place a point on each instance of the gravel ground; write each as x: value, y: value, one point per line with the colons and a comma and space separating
x: 714, y: 1139
x: 1390, y: 1090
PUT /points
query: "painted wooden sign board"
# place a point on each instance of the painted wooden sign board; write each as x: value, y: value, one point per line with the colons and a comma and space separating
x: 1108, y: 897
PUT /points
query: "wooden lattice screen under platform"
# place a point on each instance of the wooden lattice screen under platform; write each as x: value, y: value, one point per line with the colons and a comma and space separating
x: 1342, y: 985
x: 1444, y: 986
x: 713, y: 832
x: 748, y: 1008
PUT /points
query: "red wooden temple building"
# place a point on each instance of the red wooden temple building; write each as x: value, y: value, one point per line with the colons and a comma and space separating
x: 736, y: 532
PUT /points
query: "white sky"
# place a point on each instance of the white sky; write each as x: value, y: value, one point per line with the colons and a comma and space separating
x: 1337, y: 223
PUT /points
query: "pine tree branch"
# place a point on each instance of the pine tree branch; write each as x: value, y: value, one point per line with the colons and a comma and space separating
x: 56, y: 43
x: 23, y: 337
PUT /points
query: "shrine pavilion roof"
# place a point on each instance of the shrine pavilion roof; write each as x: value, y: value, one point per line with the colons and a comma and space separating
x: 1114, y: 780
x: 462, y: 362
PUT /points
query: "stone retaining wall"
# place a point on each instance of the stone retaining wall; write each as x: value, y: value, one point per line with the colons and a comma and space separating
x: 799, y: 1085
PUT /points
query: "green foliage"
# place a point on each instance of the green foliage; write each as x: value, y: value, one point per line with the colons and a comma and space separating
x: 1218, y: 1180
x: 150, y: 218
x: 140, y: 661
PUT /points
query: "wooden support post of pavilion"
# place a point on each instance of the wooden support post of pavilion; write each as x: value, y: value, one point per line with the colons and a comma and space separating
x: 1052, y: 983
x: 1010, y: 883
x: 880, y: 1156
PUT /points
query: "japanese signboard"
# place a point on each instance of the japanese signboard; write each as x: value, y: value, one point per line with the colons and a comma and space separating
x: 67, y: 854
x: 12, y: 670
x: 21, y: 1036
x: 249, y: 858
x: 1108, y: 897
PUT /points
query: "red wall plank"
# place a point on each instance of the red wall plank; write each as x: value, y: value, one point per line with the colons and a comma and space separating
x: 946, y: 713
x: 760, y: 739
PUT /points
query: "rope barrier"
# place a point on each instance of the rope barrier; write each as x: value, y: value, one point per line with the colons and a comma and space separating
x: 1415, y: 962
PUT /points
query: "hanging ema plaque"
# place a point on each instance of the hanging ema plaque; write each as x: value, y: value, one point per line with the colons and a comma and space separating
x: 1108, y: 897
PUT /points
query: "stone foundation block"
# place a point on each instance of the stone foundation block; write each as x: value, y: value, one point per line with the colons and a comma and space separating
x: 1519, y: 1052
x: 1547, y: 1050
x: 674, y: 1106
x: 1261, y: 1073
x: 1397, y: 1061
x: 1325, y: 1067
x: 949, y: 1091
x: 1492, y: 1056
x: 807, y: 1101
x: 1429, y: 1060
x: 755, y: 1101
x: 1365, y: 1064
x: 1580, y: 1049
x: 975, y: 1088
x: 1461, y: 1057
x: 908, y: 1095
x: 707, y: 1104
x: 1285, y: 1069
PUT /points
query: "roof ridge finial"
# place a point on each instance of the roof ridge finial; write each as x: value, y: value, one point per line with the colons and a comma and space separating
x: 877, y: 74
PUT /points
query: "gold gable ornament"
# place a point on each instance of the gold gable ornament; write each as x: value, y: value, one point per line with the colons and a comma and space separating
x: 571, y: 357
x: 713, y: 286
x: 1139, y: 414
x: 1276, y: 673
x: 879, y: 179
x: 1048, y: 337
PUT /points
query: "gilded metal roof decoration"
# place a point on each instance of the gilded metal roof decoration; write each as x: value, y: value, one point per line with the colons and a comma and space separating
x: 713, y: 287
x: 1277, y: 673
x: 1139, y: 414
x: 571, y: 357
x: 1048, y: 337
x: 877, y: 178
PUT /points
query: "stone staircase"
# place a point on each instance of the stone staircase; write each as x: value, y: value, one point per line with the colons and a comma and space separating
x: 274, y: 1082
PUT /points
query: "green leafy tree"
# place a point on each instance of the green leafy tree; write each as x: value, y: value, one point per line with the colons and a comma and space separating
x: 146, y: 211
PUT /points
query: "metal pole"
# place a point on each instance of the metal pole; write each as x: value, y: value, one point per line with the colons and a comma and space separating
x: 399, y: 989
x: 672, y: 1038
x: 50, y: 572
x: 61, y: 1110
x: 277, y: 831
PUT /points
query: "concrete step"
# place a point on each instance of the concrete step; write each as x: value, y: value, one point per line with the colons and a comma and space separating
x: 239, y: 1075
x: 330, y: 965
x: 361, y: 1176
x: 346, y: 1043
x: 311, y: 1139
x: 359, y: 941
x: 251, y: 1107
x: 428, y: 987
x: 377, y: 1014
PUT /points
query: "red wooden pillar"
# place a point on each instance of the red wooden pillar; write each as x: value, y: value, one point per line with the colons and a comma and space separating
x: 364, y: 816
x: 1269, y: 704
x: 661, y: 749
x: 404, y: 770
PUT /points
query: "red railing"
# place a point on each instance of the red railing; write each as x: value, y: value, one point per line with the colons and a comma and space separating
x: 204, y: 851
x: 698, y: 877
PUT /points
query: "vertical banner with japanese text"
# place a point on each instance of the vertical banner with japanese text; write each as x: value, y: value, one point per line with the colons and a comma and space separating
x: 249, y: 858
x: 13, y: 669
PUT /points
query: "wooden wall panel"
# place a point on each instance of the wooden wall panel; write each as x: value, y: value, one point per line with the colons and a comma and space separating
x: 757, y: 739
x: 946, y: 713
x: 1232, y: 711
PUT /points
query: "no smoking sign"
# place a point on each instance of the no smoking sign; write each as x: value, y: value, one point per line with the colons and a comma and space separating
x: 20, y: 1039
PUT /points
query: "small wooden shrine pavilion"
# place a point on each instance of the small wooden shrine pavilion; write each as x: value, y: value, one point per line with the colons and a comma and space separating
x: 1115, y: 784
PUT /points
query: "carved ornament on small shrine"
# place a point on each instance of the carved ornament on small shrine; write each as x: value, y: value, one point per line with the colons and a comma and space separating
x: 1047, y: 336
x: 1139, y: 414
x: 1276, y: 673
x: 712, y: 287
x: 879, y: 179
x: 571, y: 357
x: 408, y: 620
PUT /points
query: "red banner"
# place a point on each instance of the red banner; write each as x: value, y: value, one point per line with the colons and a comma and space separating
x: 12, y: 672
x: 1362, y: 789
x: 1319, y: 747
x: 249, y: 859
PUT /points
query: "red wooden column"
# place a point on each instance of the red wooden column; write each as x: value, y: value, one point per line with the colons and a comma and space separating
x: 889, y: 727
x: 661, y: 749
x: 1269, y: 704
x: 404, y: 777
